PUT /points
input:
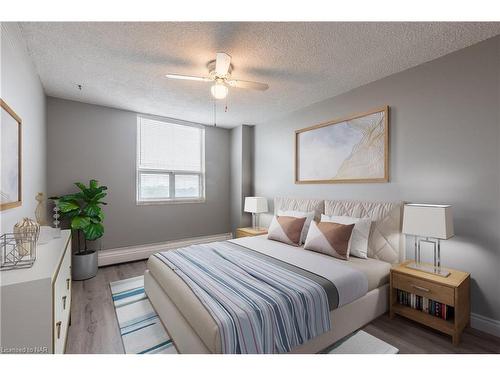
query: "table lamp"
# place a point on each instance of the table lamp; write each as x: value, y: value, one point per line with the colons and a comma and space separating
x: 255, y: 205
x: 429, y: 223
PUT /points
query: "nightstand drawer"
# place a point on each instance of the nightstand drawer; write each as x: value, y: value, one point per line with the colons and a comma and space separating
x: 424, y: 288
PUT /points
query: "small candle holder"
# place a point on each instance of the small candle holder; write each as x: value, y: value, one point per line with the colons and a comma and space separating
x: 56, y: 216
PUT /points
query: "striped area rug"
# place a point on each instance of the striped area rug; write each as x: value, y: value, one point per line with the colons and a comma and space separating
x: 143, y: 333
x: 140, y: 327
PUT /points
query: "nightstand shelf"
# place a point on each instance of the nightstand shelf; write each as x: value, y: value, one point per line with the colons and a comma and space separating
x: 250, y: 232
x: 445, y: 326
x: 453, y: 291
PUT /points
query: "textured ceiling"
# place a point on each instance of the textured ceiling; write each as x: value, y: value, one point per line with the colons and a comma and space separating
x: 123, y: 64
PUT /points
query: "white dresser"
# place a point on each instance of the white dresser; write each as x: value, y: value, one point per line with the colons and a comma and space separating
x: 36, y: 302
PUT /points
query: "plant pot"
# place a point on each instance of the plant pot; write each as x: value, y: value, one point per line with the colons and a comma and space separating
x: 84, y: 265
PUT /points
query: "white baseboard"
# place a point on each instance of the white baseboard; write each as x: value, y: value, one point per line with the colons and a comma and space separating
x: 131, y: 253
x: 485, y: 324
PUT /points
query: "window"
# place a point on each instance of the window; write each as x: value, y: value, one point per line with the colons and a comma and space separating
x: 170, y: 162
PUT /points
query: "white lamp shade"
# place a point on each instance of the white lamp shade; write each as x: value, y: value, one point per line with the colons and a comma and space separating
x: 255, y: 204
x: 428, y: 220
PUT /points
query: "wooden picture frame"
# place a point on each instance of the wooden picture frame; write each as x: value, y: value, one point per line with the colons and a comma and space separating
x: 372, y: 115
x: 6, y: 141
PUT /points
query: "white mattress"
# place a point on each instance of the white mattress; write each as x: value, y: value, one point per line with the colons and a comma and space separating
x: 353, y: 278
x: 374, y: 273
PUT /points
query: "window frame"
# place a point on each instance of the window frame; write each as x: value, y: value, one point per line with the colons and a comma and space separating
x: 171, y: 173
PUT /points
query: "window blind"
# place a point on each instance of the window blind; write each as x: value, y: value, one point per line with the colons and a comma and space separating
x: 169, y: 146
x: 170, y: 161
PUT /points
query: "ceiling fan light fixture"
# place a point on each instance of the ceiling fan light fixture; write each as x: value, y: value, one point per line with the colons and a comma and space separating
x: 219, y: 72
x: 219, y: 90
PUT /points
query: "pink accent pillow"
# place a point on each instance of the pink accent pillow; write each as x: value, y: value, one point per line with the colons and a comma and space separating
x: 286, y: 229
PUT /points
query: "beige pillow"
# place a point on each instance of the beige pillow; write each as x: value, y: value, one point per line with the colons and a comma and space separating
x: 308, y: 215
x: 286, y: 229
x: 330, y: 239
x: 358, y: 246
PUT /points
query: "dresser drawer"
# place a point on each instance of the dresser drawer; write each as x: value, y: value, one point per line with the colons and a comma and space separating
x: 60, y: 328
x: 437, y: 292
x: 62, y: 302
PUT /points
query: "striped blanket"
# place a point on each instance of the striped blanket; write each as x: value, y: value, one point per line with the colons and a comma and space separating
x: 259, y: 306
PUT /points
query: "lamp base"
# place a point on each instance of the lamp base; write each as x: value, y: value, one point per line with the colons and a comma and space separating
x: 438, y: 271
x: 255, y: 221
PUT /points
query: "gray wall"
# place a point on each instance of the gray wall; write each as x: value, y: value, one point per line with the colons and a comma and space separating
x: 22, y: 91
x: 247, y: 157
x: 236, y: 187
x: 88, y: 141
x: 241, y: 174
x: 444, y: 148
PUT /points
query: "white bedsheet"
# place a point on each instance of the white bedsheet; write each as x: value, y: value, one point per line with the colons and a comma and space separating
x: 351, y: 283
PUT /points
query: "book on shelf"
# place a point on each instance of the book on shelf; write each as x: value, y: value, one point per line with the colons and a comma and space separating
x: 424, y: 304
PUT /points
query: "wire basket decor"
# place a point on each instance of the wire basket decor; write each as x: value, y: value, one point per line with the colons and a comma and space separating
x: 18, y: 250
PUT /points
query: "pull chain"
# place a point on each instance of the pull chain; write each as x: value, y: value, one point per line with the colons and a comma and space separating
x: 215, y: 113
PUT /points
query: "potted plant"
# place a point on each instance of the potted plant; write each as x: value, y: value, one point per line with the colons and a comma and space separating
x: 84, y: 211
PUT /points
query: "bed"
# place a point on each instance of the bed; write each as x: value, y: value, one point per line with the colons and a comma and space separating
x: 194, y: 329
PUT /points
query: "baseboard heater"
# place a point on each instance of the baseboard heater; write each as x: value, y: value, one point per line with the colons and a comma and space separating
x: 131, y: 253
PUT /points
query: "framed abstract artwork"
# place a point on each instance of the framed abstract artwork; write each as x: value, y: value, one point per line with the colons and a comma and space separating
x: 349, y: 150
x: 10, y: 155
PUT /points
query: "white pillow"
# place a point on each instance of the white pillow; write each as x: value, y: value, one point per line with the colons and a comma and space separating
x: 308, y: 215
x: 358, y: 245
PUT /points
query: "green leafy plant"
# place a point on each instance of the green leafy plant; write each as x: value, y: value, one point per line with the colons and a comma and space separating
x: 84, y: 211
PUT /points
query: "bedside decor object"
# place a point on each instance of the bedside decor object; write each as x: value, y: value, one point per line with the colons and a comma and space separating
x: 10, y: 158
x: 351, y: 149
x: 250, y: 232
x: 17, y: 251
x: 26, y: 233
x: 255, y: 205
x: 86, y: 217
x: 442, y: 303
x: 41, y: 210
x: 56, y: 216
x: 428, y: 223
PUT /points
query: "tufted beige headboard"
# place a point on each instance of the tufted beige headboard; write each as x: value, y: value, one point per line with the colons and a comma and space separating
x: 386, y: 241
x: 300, y: 204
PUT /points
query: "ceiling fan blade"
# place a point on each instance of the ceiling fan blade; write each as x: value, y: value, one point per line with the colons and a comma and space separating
x: 190, y: 78
x: 222, y: 63
x: 248, y: 85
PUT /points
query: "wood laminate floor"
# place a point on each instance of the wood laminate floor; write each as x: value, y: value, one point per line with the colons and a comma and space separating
x: 94, y: 328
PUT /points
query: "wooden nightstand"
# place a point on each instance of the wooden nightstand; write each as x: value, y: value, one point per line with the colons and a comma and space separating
x: 453, y: 291
x: 250, y: 232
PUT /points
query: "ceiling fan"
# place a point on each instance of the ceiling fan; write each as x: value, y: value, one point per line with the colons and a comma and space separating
x: 219, y: 72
